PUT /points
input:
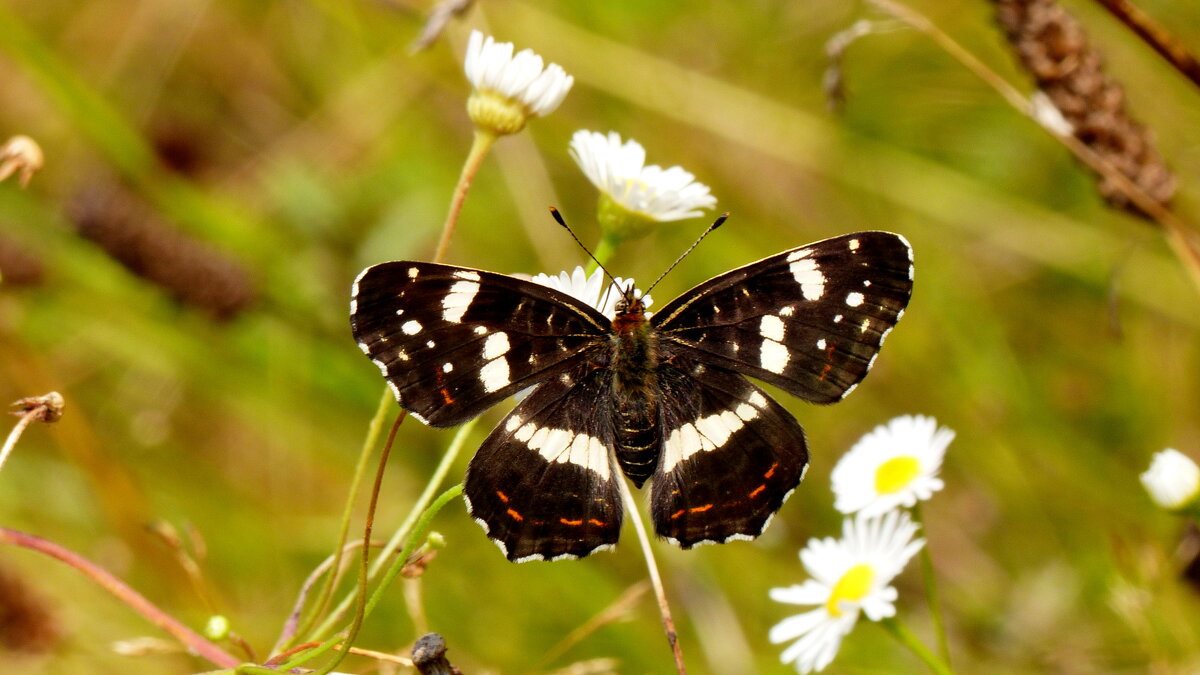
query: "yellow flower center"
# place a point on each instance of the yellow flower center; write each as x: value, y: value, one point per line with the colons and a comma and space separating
x: 496, y: 113
x: 853, y: 586
x: 896, y: 473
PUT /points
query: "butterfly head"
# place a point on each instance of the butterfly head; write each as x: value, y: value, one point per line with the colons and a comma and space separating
x: 630, y: 313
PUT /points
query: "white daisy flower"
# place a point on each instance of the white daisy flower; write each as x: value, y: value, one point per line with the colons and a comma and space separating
x: 618, y: 170
x: 894, y: 465
x: 1173, y: 480
x: 510, y: 89
x: 595, y: 290
x: 850, y: 575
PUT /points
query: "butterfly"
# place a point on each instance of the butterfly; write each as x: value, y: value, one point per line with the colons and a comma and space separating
x: 657, y: 397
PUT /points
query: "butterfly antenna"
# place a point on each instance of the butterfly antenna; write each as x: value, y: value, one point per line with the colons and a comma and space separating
x: 558, y: 217
x: 716, y: 223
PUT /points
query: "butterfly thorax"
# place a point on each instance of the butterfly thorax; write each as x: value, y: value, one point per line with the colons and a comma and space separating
x: 634, y: 364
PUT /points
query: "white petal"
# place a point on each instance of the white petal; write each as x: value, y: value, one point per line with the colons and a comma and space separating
x: 808, y: 593
x: 795, y: 626
x: 594, y: 290
x: 1173, y: 479
x: 619, y: 170
x: 915, y: 437
x: 523, y: 77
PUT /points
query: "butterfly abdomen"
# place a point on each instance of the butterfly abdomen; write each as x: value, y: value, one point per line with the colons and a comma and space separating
x: 637, y: 439
x: 635, y: 393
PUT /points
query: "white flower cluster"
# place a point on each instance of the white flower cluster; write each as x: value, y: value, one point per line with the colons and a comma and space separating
x: 889, y: 469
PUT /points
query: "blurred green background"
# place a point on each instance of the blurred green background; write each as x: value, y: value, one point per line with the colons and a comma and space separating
x: 279, y: 147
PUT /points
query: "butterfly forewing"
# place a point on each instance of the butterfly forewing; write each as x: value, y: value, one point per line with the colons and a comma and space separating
x: 453, y: 341
x: 543, y: 484
x: 730, y: 456
x: 810, y: 320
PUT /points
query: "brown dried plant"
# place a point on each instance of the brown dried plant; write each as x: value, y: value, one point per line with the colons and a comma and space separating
x: 1052, y: 45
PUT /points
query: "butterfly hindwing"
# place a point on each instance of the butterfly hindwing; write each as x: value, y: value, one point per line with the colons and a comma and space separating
x: 453, y: 341
x: 543, y: 484
x: 730, y: 456
x: 810, y: 320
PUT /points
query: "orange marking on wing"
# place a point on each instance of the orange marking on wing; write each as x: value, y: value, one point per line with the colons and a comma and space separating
x: 771, y: 471
x: 597, y: 523
x: 700, y: 509
x: 503, y: 497
x: 573, y: 523
x: 516, y: 516
x: 441, y: 383
x: 828, y: 363
x: 678, y: 513
x: 757, y: 491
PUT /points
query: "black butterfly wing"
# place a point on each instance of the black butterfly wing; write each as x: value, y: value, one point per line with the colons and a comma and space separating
x: 809, y: 321
x: 730, y: 456
x: 543, y: 485
x: 453, y: 341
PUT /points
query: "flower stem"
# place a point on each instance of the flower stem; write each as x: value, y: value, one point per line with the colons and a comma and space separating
x: 401, y: 533
x: 47, y: 408
x: 479, y: 148
x: 365, y: 558
x: 420, y: 532
x: 929, y: 579
x: 195, y: 642
x: 664, y: 607
x: 604, y: 251
x: 11, y: 442
x: 360, y: 469
x: 419, y: 535
x: 906, y: 638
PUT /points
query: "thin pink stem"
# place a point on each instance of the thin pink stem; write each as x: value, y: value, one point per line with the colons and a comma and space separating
x: 195, y: 642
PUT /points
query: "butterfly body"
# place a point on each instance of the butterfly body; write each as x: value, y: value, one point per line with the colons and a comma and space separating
x: 634, y: 391
x: 659, y: 398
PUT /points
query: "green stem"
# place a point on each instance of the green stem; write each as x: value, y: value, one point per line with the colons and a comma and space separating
x: 906, y: 638
x: 931, y: 590
x: 435, y: 481
x: 360, y: 469
x: 479, y: 148
x: 604, y: 252
x: 418, y: 537
x: 365, y: 559
x: 419, y: 534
